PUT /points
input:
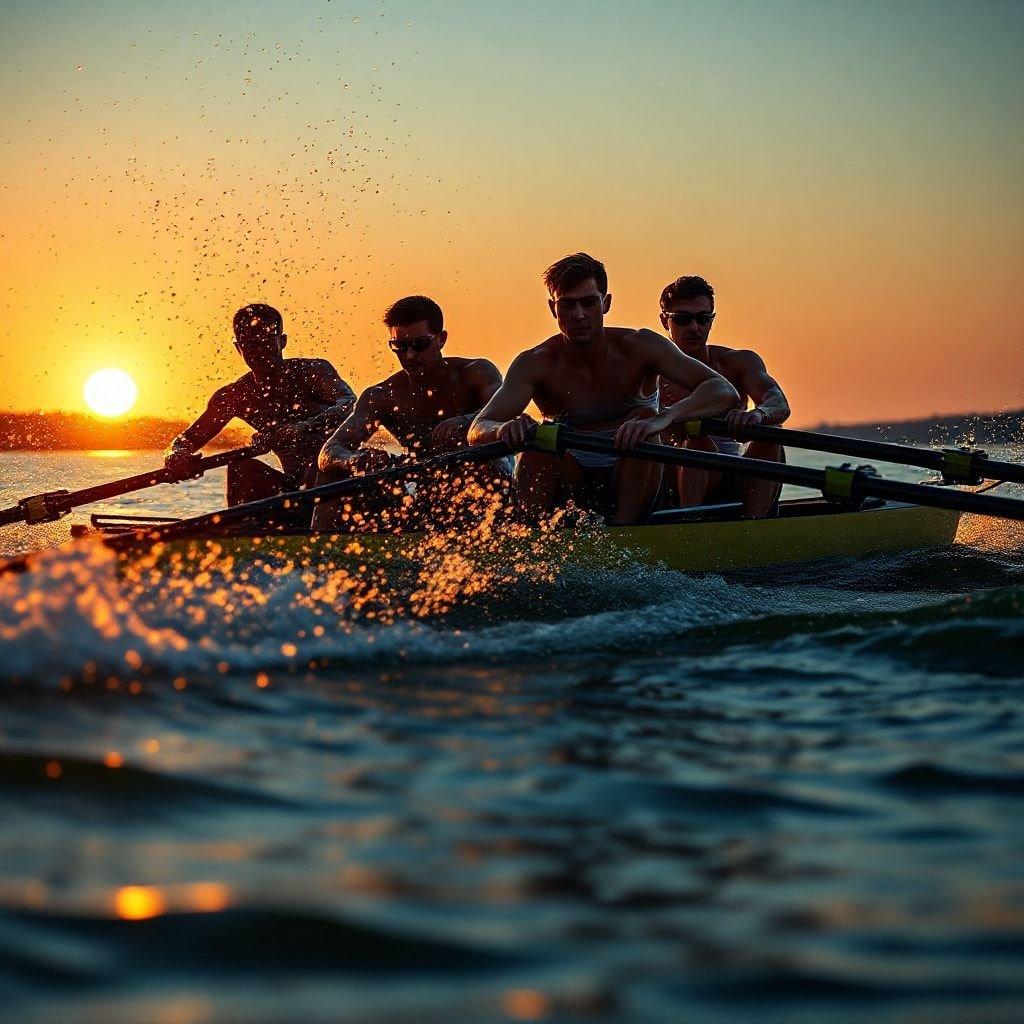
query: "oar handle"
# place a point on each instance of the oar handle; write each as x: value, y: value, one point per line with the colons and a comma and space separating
x: 957, y: 465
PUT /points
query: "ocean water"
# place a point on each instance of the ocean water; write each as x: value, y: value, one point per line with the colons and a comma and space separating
x: 534, y: 793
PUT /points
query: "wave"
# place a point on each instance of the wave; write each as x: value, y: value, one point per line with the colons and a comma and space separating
x: 929, y: 779
x: 242, y: 939
x: 257, y: 963
x: 84, y: 615
x: 94, y: 789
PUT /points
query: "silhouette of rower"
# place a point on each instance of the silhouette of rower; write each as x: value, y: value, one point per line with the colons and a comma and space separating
x: 293, y: 404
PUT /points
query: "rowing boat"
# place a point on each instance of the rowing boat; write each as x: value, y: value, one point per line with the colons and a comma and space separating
x: 698, y: 540
x: 806, y: 530
x: 859, y: 513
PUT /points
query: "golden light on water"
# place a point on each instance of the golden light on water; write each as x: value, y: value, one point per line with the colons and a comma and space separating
x: 208, y: 897
x: 137, y: 902
x: 110, y: 392
x: 526, y: 1004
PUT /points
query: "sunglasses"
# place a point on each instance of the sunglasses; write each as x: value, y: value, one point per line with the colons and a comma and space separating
x: 420, y: 344
x: 684, y: 319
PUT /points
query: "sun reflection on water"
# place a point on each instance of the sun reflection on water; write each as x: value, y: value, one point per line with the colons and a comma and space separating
x: 139, y: 902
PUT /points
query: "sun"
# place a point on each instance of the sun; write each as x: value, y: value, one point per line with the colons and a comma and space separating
x: 110, y: 392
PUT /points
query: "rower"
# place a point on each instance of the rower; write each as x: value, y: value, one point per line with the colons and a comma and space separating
x: 687, y: 313
x: 427, y: 406
x: 293, y: 404
x: 603, y: 380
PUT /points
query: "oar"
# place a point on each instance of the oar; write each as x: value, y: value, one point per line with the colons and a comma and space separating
x: 841, y: 484
x: 264, y: 508
x: 957, y: 465
x: 51, y: 505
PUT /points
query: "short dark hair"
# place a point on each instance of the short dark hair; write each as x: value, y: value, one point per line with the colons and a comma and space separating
x: 250, y: 318
x: 689, y: 287
x: 411, y: 310
x: 573, y: 270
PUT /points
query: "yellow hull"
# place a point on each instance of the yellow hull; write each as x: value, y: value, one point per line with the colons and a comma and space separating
x: 805, y: 531
x: 726, y: 546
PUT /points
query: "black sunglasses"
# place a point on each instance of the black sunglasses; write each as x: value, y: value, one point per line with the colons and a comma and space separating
x: 420, y: 344
x: 684, y: 319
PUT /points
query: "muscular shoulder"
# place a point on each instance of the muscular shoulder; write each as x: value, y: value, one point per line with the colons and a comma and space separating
x: 547, y: 353
x: 233, y: 396
x: 382, y: 396
x: 638, y: 341
x: 645, y: 336
x: 737, y: 358
x: 631, y: 337
x: 535, y: 360
x: 463, y: 363
x: 478, y: 369
x: 311, y: 367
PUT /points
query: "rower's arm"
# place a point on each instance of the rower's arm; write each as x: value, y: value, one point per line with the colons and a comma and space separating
x: 507, y: 405
x: 363, y: 422
x: 768, y: 397
x: 710, y: 394
x: 219, y: 413
x: 328, y: 385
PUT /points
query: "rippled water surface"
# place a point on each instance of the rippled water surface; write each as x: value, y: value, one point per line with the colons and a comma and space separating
x: 506, y: 793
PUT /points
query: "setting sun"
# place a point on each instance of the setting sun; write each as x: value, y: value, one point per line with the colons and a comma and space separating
x: 110, y: 392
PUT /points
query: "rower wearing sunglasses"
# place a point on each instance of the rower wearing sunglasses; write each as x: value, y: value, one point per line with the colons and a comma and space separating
x: 293, y: 404
x: 687, y: 313
x: 427, y: 406
x: 598, y: 380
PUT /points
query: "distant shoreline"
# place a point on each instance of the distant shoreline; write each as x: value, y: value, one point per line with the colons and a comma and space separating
x: 61, y: 431
x: 77, y: 432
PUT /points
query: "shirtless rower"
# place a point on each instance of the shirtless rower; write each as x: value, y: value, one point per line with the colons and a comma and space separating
x: 427, y: 406
x: 293, y: 404
x: 688, y: 312
x: 603, y: 380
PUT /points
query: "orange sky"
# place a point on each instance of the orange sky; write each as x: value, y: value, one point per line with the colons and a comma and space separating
x: 850, y: 182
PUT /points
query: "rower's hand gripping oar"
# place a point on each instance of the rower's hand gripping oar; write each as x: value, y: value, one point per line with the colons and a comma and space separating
x: 842, y: 484
x: 957, y: 465
x: 52, y: 505
x: 264, y: 508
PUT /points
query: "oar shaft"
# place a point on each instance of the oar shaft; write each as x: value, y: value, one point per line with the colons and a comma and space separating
x: 58, y: 503
x: 860, y: 484
x: 9, y: 516
x: 100, y: 492
x: 693, y: 458
x: 311, y: 496
x: 940, y: 497
x: 885, y: 451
